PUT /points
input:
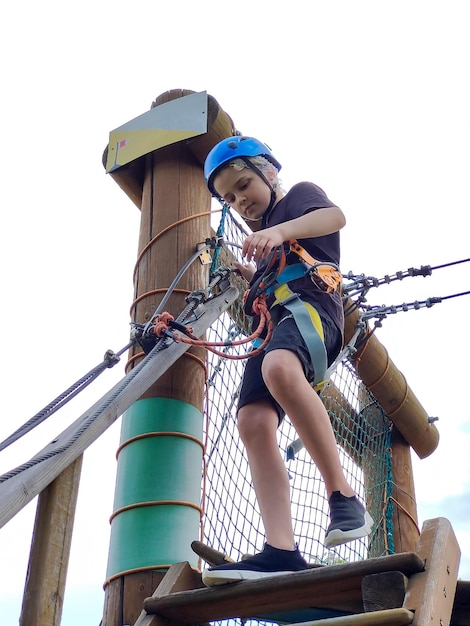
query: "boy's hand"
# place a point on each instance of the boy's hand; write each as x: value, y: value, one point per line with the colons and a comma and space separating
x: 258, y: 245
x: 246, y: 270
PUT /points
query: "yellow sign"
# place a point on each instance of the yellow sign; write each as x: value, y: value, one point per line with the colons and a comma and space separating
x: 163, y: 125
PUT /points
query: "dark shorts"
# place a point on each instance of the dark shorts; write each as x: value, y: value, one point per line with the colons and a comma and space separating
x: 286, y: 336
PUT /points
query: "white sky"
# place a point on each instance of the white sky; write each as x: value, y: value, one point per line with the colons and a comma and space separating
x: 368, y: 99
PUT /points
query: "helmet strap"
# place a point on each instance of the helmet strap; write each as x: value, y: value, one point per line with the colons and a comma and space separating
x: 266, y: 180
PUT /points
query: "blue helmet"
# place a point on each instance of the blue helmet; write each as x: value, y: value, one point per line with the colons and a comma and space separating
x: 238, y: 147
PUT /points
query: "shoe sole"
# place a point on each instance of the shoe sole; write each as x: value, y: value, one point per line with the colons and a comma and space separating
x: 337, y: 537
x: 212, y: 578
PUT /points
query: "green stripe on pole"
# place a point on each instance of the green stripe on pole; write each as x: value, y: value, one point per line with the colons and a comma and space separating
x: 158, y: 486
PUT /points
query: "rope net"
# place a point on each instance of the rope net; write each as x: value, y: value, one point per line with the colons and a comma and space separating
x: 232, y: 522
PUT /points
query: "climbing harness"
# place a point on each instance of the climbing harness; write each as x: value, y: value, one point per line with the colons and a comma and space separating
x: 326, y: 276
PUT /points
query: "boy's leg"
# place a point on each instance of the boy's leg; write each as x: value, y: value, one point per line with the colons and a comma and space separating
x: 257, y: 424
x: 284, y: 377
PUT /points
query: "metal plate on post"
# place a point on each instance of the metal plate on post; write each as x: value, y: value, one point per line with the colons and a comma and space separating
x: 163, y: 125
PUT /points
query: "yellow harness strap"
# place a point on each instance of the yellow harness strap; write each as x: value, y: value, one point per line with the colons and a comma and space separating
x: 310, y: 327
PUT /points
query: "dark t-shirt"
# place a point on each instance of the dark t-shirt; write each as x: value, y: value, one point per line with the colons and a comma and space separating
x: 301, y: 199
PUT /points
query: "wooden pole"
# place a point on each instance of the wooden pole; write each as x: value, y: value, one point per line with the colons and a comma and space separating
x: 405, y: 513
x: 50, y: 550
x: 175, y: 206
x: 389, y: 386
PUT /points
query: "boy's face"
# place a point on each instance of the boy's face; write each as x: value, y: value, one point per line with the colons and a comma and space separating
x: 243, y: 190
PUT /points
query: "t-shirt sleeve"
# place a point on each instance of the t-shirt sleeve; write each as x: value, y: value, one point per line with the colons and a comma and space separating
x: 305, y: 197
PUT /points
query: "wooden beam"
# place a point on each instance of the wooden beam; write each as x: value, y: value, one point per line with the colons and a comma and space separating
x: 210, y: 555
x: 430, y: 594
x: 50, y: 550
x: 405, y: 511
x: 387, y: 383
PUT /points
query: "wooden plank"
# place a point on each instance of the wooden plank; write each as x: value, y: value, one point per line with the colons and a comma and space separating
x: 335, y: 587
x: 383, y: 591
x: 390, y: 617
x: 431, y: 593
x: 179, y: 577
x: 43, y: 597
x: 20, y: 489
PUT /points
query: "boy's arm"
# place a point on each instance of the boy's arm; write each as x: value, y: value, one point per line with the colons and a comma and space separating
x: 316, y: 223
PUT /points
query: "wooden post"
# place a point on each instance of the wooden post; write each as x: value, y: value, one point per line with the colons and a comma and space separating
x: 430, y: 594
x: 385, y: 381
x: 50, y: 550
x: 405, y: 513
x: 175, y: 206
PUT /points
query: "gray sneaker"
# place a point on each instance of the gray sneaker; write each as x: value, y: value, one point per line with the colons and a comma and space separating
x: 270, y: 562
x: 349, y: 520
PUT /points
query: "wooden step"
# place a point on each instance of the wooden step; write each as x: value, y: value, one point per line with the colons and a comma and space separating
x: 423, y: 591
x: 336, y: 587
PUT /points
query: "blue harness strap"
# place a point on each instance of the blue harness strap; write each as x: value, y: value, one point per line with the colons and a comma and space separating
x: 306, y: 317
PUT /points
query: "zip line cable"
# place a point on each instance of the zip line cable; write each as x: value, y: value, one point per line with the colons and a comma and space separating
x: 110, y: 360
x: 361, y: 282
x: 105, y: 402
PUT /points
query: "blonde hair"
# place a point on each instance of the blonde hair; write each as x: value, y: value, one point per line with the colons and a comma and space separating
x: 264, y: 165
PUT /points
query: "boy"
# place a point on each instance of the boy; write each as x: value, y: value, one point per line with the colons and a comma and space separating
x: 242, y: 172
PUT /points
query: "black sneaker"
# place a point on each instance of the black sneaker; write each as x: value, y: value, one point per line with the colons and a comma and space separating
x: 349, y: 520
x: 270, y: 562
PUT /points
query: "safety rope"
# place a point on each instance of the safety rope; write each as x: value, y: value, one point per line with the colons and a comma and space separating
x: 166, y: 326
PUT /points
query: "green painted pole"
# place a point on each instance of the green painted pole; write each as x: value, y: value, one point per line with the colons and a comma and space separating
x: 158, y: 487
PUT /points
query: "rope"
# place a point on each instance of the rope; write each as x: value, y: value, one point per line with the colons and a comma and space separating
x: 165, y: 326
x: 156, y: 237
x: 219, y: 234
